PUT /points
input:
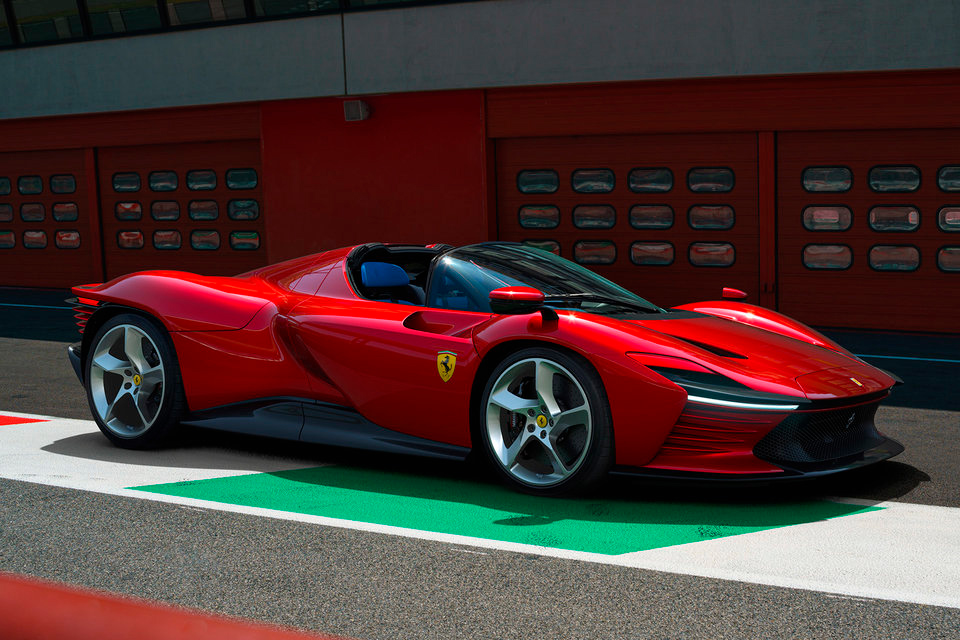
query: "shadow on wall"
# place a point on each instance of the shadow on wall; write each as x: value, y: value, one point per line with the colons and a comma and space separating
x: 37, y: 314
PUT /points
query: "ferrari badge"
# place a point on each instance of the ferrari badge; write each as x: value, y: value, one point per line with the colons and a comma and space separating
x: 856, y: 382
x: 446, y: 361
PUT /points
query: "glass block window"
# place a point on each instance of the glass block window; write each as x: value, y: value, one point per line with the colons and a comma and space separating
x: 655, y: 180
x: 63, y: 183
x: 948, y: 218
x: 32, y: 212
x: 47, y: 21
x: 200, y: 11
x: 710, y: 180
x: 595, y: 252
x: 889, y: 257
x: 594, y: 216
x: 131, y: 239
x: 948, y: 259
x: 128, y: 210
x: 894, y: 179
x: 4, y: 186
x: 35, y: 239
x: 539, y: 216
x: 901, y: 218
x: 122, y: 16
x: 712, y: 254
x: 651, y: 216
x: 651, y: 253
x: 544, y: 245
x: 948, y: 178
x: 827, y: 256
x: 827, y: 218
x: 127, y: 182
x: 244, y: 210
x: 827, y: 179
x: 8, y: 240
x: 204, y: 210
x: 165, y: 210
x: 166, y: 239
x: 241, y: 178
x: 30, y: 185
x: 593, y: 181
x: 538, y: 181
x: 6, y: 213
x: 712, y: 216
x: 65, y: 211
x: 244, y: 240
x: 201, y: 180
x: 163, y: 181
x: 67, y: 239
x: 205, y: 240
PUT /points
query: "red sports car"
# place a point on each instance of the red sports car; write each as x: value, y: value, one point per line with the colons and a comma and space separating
x: 556, y: 374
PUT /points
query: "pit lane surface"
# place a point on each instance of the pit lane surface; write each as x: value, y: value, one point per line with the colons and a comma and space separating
x: 369, y: 584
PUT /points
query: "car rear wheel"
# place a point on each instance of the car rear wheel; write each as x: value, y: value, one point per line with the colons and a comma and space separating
x: 133, y: 382
x: 546, y: 423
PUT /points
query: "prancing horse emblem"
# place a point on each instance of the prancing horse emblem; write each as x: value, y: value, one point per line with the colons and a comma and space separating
x: 446, y: 361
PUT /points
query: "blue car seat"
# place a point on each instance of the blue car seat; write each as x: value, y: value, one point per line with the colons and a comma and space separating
x: 386, y: 281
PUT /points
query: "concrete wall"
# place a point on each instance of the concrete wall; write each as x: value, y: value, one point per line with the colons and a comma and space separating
x: 480, y: 44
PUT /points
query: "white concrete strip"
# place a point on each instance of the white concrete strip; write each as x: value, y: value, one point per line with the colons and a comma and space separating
x: 905, y: 552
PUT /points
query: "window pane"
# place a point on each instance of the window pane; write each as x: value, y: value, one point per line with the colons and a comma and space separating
x: 593, y: 181
x: 894, y: 218
x: 130, y: 239
x: 67, y: 240
x: 948, y: 219
x: 827, y: 179
x: 30, y: 185
x: 243, y: 210
x: 35, y: 239
x: 204, y: 210
x: 898, y: 179
x: 202, y: 180
x: 166, y: 240
x: 827, y: 256
x: 205, y: 240
x: 594, y: 216
x: 244, y: 240
x: 651, y: 253
x: 6, y: 213
x: 948, y: 259
x: 284, y: 7
x: 126, y: 182
x: 241, y: 178
x: 32, y: 212
x: 128, y: 211
x: 651, y: 216
x: 948, y: 178
x: 539, y: 216
x: 657, y: 180
x: 546, y: 245
x: 710, y: 180
x: 121, y: 16
x: 165, y: 210
x: 65, y: 211
x: 887, y: 257
x: 823, y: 218
x: 63, y: 183
x: 538, y: 181
x: 5, y: 39
x: 198, y: 11
x: 595, y: 252
x: 8, y: 240
x: 704, y: 216
x: 163, y: 181
x: 4, y: 186
x: 712, y: 254
x: 47, y: 20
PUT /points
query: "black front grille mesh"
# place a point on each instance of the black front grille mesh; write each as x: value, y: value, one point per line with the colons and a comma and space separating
x: 821, y: 436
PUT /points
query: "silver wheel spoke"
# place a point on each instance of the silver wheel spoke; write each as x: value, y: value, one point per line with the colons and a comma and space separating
x: 140, y: 400
x: 545, y: 373
x: 133, y: 348
x: 509, y: 457
x: 512, y: 402
x: 107, y: 363
x: 571, y: 418
x: 554, y: 458
x: 109, y: 414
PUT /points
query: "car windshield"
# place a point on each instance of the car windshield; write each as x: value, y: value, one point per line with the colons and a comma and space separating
x: 463, y: 279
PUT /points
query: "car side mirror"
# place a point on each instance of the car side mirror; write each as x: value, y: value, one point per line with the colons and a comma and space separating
x: 516, y: 300
x: 734, y: 294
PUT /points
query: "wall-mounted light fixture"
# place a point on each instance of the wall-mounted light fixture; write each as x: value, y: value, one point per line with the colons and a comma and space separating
x: 355, y: 110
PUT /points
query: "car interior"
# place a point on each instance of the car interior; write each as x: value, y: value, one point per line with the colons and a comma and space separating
x: 393, y: 273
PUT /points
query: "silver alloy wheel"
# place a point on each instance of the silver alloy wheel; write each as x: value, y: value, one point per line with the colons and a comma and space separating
x: 538, y: 422
x: 127, y: 380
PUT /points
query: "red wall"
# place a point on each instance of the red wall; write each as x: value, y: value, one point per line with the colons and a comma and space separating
x: 413, y: 172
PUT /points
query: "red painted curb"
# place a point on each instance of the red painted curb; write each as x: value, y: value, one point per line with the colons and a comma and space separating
x: 32, y: 609
x: 5, y: 420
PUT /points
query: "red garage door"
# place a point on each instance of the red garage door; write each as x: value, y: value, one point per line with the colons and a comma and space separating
x: 49, y: 232
x: 869, y: 228
x: 193, y: 207
x: 671, y: 217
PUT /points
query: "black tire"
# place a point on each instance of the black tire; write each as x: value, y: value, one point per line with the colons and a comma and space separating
x: 549, y: 443
x: 115, y: 374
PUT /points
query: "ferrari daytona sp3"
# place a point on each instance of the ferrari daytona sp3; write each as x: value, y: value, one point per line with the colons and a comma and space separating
x: 554, y: 374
